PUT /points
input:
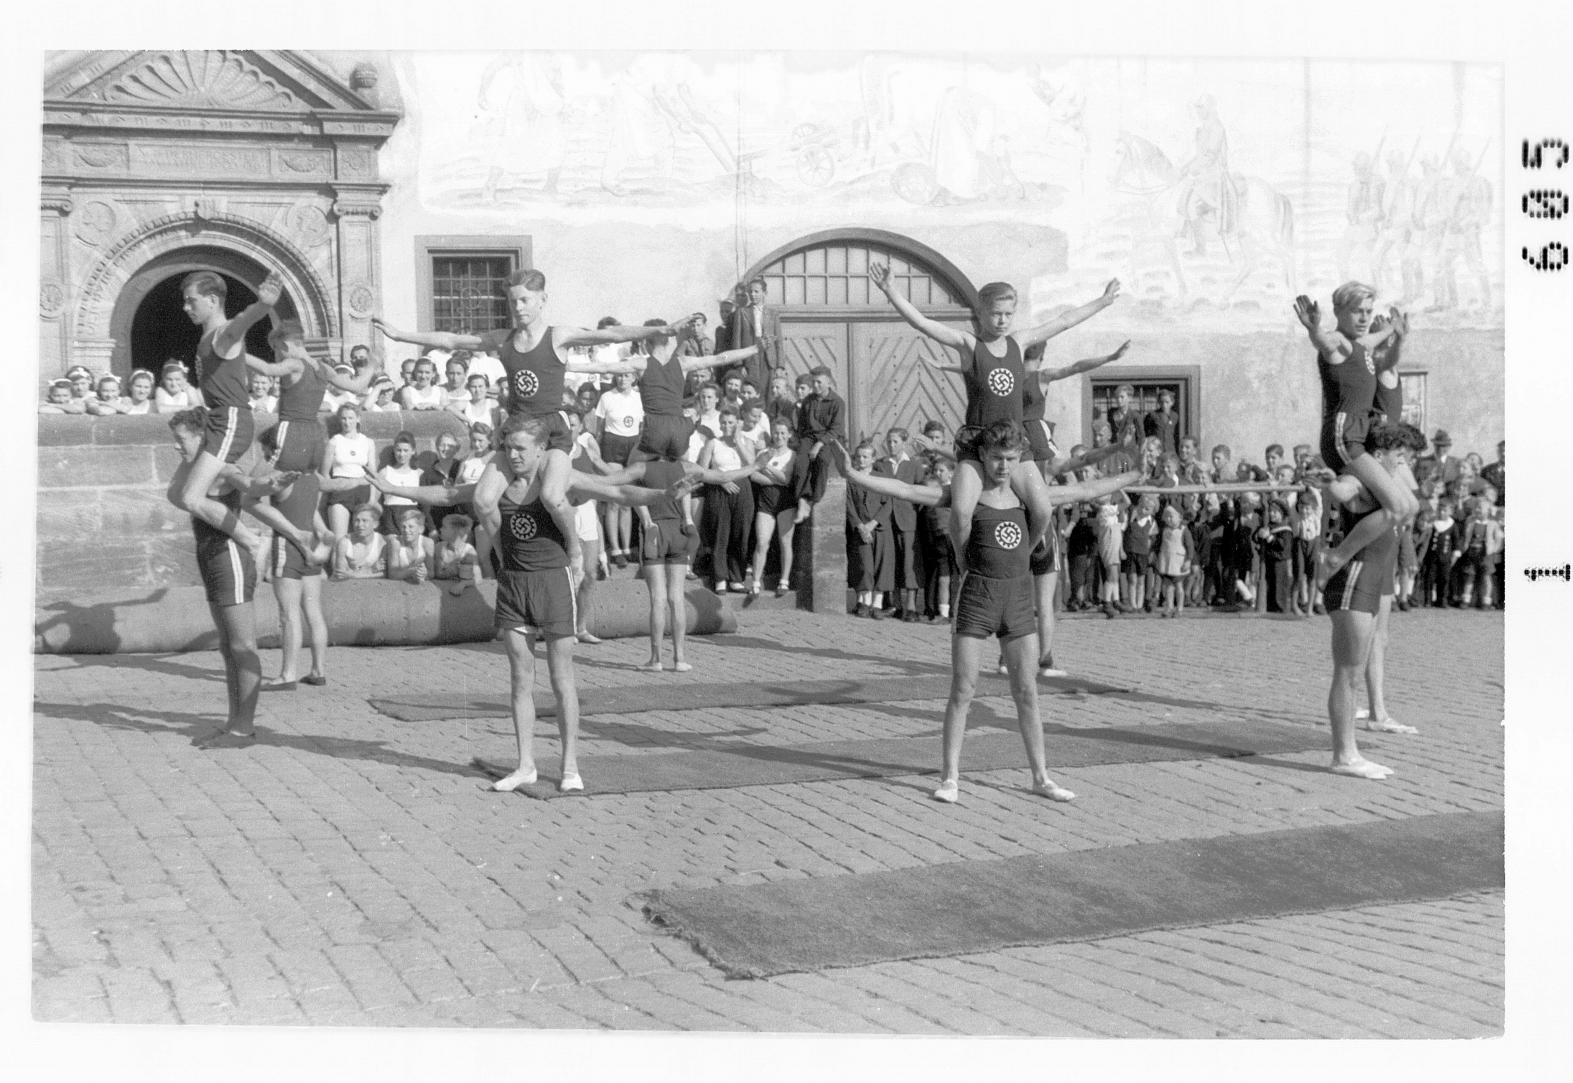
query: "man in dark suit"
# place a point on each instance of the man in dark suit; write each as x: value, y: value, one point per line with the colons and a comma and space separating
x: 1440, y: 465
x: 723, y: 327
x: 748, y: 329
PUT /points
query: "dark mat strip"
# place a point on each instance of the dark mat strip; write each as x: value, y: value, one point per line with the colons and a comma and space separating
x: 977, y: 906
x: 738, y: 765
x: 680, y: 696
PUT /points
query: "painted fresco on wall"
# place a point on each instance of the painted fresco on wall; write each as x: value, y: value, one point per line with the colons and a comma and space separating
x: 1215, y: 189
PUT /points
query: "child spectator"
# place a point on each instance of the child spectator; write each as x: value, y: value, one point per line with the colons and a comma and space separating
x: 870, y: 557
x: 456, y: 562
x: 1250, y: 516
x: 821, y: 418
x: 939, y: 559
x: 1168, y: 475
x: 1480, y: 545
x: 1164, y: 424
x: 1140, y: 531
x: 896, y: 463
x: 1219, y: 585
x: 81, y: 379
x: 60, y: 400
x: 1191, y: 471
x: 174, y: 392
x: 1127, y: 424
x: 402, y: 471
x: 1223, y: 470
x: 1436, y: 561
x: 1249, y: 472
x: 140, y: 393
x: 779, y: 402
x: 410, y: 553
x: 1273, y: 457
x: 1176, y: 555
x: 1081, y: 549
x: 1151, y: 457
x: 753, y: 431
x: 585, y: 458
x: 361, y: 554
x: 1199, y: 524
x: 1275, y: 544
x: 1111, y: 527
x: 1302, y: 461
x: 106, y: 399
x: 1307, y: 545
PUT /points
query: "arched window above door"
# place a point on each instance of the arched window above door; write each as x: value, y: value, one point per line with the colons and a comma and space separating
x: 831, y: 270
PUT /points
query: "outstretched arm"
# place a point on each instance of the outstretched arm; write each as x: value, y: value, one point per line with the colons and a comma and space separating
x: 443, y: 340
x: 1092, y: 490
x: 1044, y: 332
x: 726, y: 357
x: 634, y: 496
x: 1330, y: 345
x: 440, y: 495
x: 272, y: 368
x: 563, y: 337
x: 879, y: 274
x: 880, y: 483
x: 1048, y: 376
x: 233, y: 333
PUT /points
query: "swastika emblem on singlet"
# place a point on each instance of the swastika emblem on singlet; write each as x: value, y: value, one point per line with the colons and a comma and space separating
x: 522, y: 526
x: 1007, y: 535
x: 1001, y: 381
x: 525, y: 384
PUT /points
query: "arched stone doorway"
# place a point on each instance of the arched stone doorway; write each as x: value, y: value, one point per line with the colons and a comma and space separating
x: 823, y: 310
x: 148, y: 324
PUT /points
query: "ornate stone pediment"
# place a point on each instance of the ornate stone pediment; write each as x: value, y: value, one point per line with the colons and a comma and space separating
x: 203, y: 80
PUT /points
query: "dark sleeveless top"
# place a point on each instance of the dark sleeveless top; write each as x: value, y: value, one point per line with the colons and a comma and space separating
x: 661, y: 387
x: 661, y: 474
x: 1349, y: 388
x: 530, y: 540
x: 535, y: 378
x: 1389, y: 400
x: 1033, y: 401
x: 997, y: 547
x: 994, y: 385
x: 224, y: 382
x: 301, y: 400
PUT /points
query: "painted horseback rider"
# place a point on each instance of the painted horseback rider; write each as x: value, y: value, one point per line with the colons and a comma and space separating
x: 1209, y: 192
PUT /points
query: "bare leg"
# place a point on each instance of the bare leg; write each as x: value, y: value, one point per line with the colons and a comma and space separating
x: 965, y: 653
x: 520, y: 646
x: 1352, y: 635
x: 1021, y: 654
x: 786, y: 525
x: 559, y: 663
x: 675, y: 582
x: 339, y: 522
x: 764, y: 530
x: 288, y: 594
x: 238, y: 642
x: 1043, y: 588
x: 316, y: 624
x: 655, y: 583
x: 1376, y: 718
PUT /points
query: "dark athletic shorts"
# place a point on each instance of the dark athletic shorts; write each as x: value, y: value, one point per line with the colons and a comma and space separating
x: 558, y: 438
x: 617, y: 449
x: 1039, y: 440
x: 229, y: 433
x: 772, y: 499
x: 542, y: 601
x: 1046, y: 556
x: 351, y: 498
x: 295, y: 445
x: 288, y: 563
x: 667, y: 544
x: 1343, y: 440
x: 1354, y: 587
x: 666, y: 437
x: 995, y: 607
x: 229, y: 575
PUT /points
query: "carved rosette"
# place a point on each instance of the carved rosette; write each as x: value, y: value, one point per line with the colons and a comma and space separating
x: 361, y: 299
x: 51, y: 299
x: 96, y: 222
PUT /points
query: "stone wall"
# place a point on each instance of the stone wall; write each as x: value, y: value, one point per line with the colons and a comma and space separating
x: 104, y: 520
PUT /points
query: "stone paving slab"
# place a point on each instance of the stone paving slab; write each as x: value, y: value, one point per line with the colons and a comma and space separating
x: 353, y: 871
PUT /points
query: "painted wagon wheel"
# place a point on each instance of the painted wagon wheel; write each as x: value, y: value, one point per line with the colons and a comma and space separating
x: 915, y: 183
x: 815, y: 166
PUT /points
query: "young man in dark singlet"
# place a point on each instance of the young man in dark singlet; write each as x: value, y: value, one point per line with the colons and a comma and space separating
x: 662, y: 378
x: 531, y: 352
x: 995, y: 596
x: 228, y: 574
x: 225, y: 382
x: 1347, y: 367
x: 1359, y: 598
x: 995, y: 378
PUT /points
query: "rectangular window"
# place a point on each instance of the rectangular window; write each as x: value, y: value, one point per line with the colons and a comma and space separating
x: 1145, y: 386
x: 1413, y: 385
x: 462, y: 281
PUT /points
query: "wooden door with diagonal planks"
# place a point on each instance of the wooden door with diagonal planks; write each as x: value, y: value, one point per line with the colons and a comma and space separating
x: 891, y: 384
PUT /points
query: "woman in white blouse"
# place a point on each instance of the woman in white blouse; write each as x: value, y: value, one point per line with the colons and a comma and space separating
x: 729, y: 508
x: 348, y: 456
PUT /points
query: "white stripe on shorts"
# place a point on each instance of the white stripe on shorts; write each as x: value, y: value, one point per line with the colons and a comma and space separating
x: 230, y: 426
x: 240, y: 571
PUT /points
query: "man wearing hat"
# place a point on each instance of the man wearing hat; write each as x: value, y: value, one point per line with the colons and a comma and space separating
x: 1441, y: 464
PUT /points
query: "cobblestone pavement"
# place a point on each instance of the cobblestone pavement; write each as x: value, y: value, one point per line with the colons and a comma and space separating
x: 351, y: 870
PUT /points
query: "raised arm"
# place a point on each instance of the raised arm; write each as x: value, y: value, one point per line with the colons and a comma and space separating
x: 1048, y: 376
x: 443, y: 340
x: 1046, y: 331
x: 233, y: 333
x: 360, y: 383
x: 879, y: 274
x: 1331, y: 346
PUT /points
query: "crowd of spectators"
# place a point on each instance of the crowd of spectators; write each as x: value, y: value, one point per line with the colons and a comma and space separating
x: 1152, y: 554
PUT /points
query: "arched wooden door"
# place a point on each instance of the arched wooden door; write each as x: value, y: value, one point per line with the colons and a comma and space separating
x: 823, y: 310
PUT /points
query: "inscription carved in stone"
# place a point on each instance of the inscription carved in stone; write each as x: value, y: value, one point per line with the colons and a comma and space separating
x: 200, y: 159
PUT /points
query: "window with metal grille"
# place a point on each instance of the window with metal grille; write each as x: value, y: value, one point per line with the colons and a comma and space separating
x: 836, y: 275
x: 1145, y: 399
x: 469, y: 294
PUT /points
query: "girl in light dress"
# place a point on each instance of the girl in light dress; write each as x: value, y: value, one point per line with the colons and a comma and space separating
x: 1176, y: 552
x: 1111, y: 550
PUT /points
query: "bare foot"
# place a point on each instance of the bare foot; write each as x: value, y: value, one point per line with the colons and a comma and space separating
x: 1047, y: 788
x: 1383, y: 725
x: 1362, y: 769
x: 227, y: 739
x: 519, y: 778
x: 949, y: 790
